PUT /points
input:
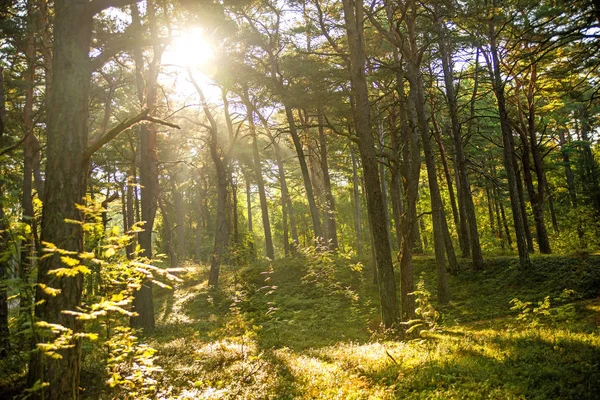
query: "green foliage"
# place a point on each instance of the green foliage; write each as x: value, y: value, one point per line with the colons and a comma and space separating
x: 325, y: 267
x: 427, y: 316
x: 530, y: 313
x: 107, y: 307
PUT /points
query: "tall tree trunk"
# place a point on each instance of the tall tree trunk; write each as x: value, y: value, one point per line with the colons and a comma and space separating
x: 570, y: 180
x: 396, y: 192
x: 356, y: 198
x: 353, y: 16
x: 221, y: 159
x: 382, y: 176
x: 31, y: 148
x: 526, y: 127
x: 199, y: 221
x: 592, y: 188
x: 437, y: 212
x: 4, y: 331
x: 249, y: 203
x: 330, y: 201
x: 508, y: 149
x: 65, y: 186
x: 178, y: 199
x: 308, y: 187
x: 130, y: 220
x: 447, y: 173
x: 143, y: 303
x: 282, y: 180
x: 465, y: 197
x: 523, y: 206
x: 261, y: 184
x: 234, y: 209
x: 411, y: 159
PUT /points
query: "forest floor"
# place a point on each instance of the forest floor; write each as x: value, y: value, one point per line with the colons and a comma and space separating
x: 293, y: 331
x: 308, y: 328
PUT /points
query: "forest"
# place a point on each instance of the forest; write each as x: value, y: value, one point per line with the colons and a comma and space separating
x: 299, y: 199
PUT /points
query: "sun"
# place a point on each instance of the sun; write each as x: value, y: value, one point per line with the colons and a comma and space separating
x: 190, y: 49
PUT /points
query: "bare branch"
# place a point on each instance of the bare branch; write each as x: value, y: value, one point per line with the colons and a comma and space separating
x: 96, y: 143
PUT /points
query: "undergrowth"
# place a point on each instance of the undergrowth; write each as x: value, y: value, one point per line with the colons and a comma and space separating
x: 305, y: 328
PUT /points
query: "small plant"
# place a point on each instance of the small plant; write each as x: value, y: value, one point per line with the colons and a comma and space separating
x: 530, y: 313
x: 427, y: 316
x: 112, y: 280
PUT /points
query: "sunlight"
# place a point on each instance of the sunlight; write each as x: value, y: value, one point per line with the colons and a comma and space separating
x: 190, y: 49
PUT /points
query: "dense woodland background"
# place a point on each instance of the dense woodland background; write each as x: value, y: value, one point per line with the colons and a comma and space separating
x: 303, y: 174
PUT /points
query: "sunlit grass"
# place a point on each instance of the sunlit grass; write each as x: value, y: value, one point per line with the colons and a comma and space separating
x: 319, y: 345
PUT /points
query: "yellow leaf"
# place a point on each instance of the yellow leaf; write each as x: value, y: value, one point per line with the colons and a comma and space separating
x: 69, y: 261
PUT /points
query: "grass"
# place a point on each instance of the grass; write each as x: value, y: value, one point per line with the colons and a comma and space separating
x: 283, y: 336
x: 307, y: 328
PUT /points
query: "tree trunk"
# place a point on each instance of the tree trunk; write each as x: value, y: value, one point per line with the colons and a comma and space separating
x: 356, y: 198
x: 308, y: 187
x: 178, y: 199
x: 508, y: 149
x: 523, y: 206
x: 31, y: 148
x: 353, y: 16
x: 199, y: 221
x: 447, y: 173
x: 570, y: 180
x: 465, y: 197
x: 592, y: 189
x: 437, y: 212
x: 4, y: 331
x: 65, y: 186
x: 261, y: 184
x: 143, y: 300
x: 330, y: 201
x: 249, y: 203
x: 282, y: 180
x: 130, y: 219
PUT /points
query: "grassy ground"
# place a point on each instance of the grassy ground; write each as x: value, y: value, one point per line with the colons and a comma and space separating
x: 301, y: 330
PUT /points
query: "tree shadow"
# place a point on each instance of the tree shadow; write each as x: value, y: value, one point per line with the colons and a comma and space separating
x: 523, y: 367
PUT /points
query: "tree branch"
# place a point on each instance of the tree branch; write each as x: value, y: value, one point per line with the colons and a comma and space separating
x: 96, y: 143
x: 15, y: 145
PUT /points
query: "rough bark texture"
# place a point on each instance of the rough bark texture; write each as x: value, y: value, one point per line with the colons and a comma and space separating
x: 465, y: 197
x: 356, y: 198
x: 329, y: 199
x: 508, y: 149
x: 308, y: 187
x: 437, y: 211
x: 353, y: 16
x: 66, y: 182
x: 261, y: 184
x: 4, y: 332
x: 143, y: 304
x: 285, y: 194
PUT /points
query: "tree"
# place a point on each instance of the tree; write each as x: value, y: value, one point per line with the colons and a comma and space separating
x: 353, y: 17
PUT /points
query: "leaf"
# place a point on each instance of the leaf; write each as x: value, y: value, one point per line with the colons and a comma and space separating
x: 48, y: 290
x: 69, y: 261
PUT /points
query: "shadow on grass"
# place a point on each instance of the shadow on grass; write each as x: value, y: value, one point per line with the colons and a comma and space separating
x: 496, y: 367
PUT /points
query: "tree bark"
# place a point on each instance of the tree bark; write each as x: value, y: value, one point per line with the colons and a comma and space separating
x: 329, y: 199
x: 356, y: 197
x: 65, y: 186
x: 4, y: 331
x: 353, y: 16
x: 508, y: 149
x: 261, y: 183
x: 143, y: 303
